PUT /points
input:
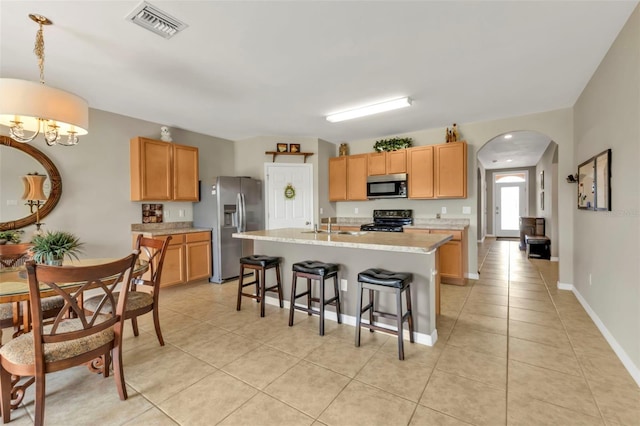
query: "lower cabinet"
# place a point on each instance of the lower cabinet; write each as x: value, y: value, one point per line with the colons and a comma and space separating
x: 188, y: 258
x: 452, y: 255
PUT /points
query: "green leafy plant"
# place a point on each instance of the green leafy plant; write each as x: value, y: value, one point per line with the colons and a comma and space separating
x: 54, y: 245
x: 392, y: 144
x: 13, y: 236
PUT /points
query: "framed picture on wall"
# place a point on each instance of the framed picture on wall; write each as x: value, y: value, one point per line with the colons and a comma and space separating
x: 542, y: 179
x: 541, y: 200
x: 594, y: 182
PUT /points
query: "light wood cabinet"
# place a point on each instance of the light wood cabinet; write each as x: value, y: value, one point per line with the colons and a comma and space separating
x: 387, y: 163
x: 376, y: 163
x: 453, y: 257
x: 420, y: 169
x: 450, y: 170
x: 162, y: 171
x: 188, y: 258
x: 338, y: 178
x: 357, y: 177
x: 396, y: 161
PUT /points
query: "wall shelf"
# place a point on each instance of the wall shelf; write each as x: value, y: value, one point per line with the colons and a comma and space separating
x: 276, y: 153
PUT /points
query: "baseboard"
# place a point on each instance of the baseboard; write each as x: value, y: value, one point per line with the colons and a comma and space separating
x: 555, y: 259
x: 563, y: 286
x: 481, y: 240
x: 420, y: 338
x: 472, y: 276
x: 620, y: 352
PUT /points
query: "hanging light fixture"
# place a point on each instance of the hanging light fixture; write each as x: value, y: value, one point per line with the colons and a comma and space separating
x: 34, y: 107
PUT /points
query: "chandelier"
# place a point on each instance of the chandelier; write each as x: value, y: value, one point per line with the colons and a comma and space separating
x: 28, y: 106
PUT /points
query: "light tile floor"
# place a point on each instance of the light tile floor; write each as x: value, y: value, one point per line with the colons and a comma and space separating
x: 512, y: 350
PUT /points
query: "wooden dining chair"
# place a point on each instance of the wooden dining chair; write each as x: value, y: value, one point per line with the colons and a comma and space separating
x: 12, y: 256
x: 145, y: 291
x: 94, y: 339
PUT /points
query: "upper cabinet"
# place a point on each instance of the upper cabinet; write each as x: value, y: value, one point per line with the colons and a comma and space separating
x: 420, y: 171
x: 387, y: 163
x: 450, y: 170
x: 162, y: 171
x: 348, y: 178
x: 338, y: 178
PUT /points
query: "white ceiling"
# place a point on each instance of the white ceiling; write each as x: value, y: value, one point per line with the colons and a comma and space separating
x: 243, y: 69
x: 522, y: 149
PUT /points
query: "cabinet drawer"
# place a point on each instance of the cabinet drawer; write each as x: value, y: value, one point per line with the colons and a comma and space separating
x: 457, y: 235
x: 175, y: 239
x: 198, y: 236
x: 416, y: 231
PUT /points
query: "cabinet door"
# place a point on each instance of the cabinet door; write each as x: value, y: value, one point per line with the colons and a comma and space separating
x: 357, y: 177
x: 451, y: 170
x: 185, y: 173
x: 173, y: 269
x: 451, y: 260
x: 338, y: 178
x: 377, y: 163
x: 396, y: 161
x: 151, y: 174
x: 198, y: 260
x: 420, y: 169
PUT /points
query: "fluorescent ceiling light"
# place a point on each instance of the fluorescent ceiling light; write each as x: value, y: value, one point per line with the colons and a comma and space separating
x: 369, y: 110
x: 508, y: 136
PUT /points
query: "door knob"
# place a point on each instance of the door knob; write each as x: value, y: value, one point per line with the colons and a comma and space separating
x: 307, y: 223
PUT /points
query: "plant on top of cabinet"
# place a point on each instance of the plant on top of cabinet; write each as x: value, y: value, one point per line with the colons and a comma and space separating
x: 392, y: 144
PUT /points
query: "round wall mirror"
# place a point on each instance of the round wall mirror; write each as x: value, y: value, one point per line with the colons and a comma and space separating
x: 17, y: 160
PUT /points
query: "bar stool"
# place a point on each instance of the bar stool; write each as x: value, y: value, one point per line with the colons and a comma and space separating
x: 318, y: 271
x: 259, y: 264
x: 375, y: 279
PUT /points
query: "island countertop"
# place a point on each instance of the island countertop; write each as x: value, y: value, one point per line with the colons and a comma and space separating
x: 385, y: 241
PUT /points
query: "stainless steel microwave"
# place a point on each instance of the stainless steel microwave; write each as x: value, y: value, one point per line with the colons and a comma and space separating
x: 387, y: 186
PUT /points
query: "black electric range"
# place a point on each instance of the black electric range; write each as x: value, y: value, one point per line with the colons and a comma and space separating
x: 389, y: 220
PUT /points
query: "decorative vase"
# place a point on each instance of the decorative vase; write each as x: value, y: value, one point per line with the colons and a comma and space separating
x: 53, y: 262
x: 344, y: 149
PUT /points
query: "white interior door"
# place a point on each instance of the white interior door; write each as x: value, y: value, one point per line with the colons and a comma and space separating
x: 510, y: 205
x: 288, y: 212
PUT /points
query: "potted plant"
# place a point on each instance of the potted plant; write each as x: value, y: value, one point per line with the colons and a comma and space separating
x: 392, y: 144
x: 11, y: 236
x: 53, y: 246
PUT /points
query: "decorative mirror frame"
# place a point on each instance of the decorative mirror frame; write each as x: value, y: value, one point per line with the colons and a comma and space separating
x: 54, y: 178
x: 596, y: 174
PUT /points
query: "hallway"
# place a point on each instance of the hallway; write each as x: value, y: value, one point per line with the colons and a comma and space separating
x: 520, y: 342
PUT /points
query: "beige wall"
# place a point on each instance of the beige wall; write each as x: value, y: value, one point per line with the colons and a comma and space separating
x: 607, y: 243
x: 95, y: 202
x: 557, y: 125
x: 546, y: 165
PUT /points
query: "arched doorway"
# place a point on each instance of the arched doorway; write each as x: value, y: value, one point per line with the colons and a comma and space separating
x: 503, y: 157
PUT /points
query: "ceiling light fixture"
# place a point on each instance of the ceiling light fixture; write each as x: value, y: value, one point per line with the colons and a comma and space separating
x: 508, y: 136
x: 369, y: 110
x: 30, y: 106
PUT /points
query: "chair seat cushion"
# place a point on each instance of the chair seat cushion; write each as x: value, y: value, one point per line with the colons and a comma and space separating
x: 315, y: 267
x: 6, y: 311
x: 386, y: 278
x: 21, y: 349
x: 260, y: 260
x: 135, y: 301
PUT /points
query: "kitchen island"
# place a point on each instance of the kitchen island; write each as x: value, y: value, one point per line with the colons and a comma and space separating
x: 355, y: 252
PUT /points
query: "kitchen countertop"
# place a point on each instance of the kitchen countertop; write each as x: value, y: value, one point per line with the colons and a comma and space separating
x: 384, y: 241
x: 168, y: 228
x: 418, y: 223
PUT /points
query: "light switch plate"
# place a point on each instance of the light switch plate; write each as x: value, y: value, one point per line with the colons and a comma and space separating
x: 466, y: 210
x: 343, y: 284
x: 444, y: 210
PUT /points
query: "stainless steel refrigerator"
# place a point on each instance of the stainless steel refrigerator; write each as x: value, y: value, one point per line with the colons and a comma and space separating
x: 231, y: 204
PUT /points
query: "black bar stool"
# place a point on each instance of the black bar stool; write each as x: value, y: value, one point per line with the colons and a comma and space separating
x: 376, y: 279
x: 259, y: 264
x: 319, y: 271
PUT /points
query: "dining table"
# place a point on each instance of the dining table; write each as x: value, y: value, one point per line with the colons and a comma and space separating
x: 14, y: 285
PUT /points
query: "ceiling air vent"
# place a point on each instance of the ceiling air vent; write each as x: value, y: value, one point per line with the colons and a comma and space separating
x: 150, y: 17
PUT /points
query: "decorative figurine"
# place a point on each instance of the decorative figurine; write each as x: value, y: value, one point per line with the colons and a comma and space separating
x: 452, y: 134
x: 165, y: 134
x: 344, y: 149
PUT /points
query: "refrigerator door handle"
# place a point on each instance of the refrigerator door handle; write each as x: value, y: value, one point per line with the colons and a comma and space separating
x: 243, y: 214
x: 238, y: 212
